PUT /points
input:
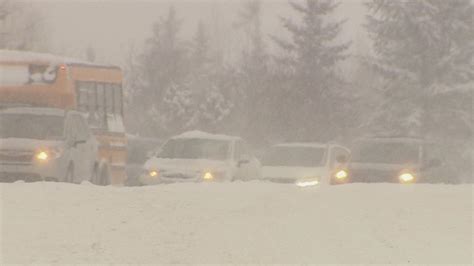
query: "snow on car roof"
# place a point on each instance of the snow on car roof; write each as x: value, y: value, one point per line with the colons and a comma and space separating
x: 34, y: 111
x: 393, y: 139
x: 29, y: 57
x: 203, y: 135
x: 303, y: 144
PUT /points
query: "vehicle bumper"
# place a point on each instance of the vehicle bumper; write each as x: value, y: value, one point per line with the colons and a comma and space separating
x: 31, y: 172
x: 148, y: 180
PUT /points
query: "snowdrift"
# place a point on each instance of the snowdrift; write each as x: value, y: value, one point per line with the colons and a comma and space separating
x: 236, y: 223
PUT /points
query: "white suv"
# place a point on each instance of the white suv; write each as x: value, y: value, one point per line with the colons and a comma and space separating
x: 201, y: 157
x: 305, y: 164
x: 46, y: 144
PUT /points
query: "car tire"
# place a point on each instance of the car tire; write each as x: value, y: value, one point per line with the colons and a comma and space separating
x: 104, y: 177
x: 94, y: 179
x: 69, y: 178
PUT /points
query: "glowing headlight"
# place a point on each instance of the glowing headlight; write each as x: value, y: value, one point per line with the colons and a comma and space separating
x: 208, y: 176
x: 341, y: 175
x: 153, y: 173
x: 406, y: 178
x: 42, y: 156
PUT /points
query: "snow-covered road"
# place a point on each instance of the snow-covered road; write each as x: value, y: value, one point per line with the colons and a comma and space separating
x: 236, y: 223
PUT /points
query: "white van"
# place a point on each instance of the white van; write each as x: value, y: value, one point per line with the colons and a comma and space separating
x: 46, y: 144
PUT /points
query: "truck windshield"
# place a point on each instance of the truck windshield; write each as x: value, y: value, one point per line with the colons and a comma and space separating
x: 386, y: 153
x: 31, y: 126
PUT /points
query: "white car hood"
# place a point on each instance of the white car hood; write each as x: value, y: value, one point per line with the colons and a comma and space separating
x: 287, y: 172
x: 186, y: 166
x: 27, y: 144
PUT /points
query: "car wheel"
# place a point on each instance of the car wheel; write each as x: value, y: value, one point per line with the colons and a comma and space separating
x: 95, y: 175
x: 69, y: 178
x: 104, y: 177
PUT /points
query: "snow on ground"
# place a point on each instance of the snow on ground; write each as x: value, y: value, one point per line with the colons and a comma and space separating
x: 236, y: 223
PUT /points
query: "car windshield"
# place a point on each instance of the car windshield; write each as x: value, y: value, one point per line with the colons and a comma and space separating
x: 386, y: 153
x: 195, y: 149
x: 295, y: 156
x: 31, y: 126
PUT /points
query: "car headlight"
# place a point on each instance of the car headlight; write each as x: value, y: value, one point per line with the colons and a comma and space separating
x: 341, y: 175
x: 153, y: 173
x: 208, y: 176
x: 406, y: 178
x: 42, y: 156
x: 46, y: 155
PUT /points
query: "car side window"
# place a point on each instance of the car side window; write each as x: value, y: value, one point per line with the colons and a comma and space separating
x: 338, y: 155
x: 241, y: 150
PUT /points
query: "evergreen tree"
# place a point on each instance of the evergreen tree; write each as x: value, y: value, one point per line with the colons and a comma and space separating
x: 200, y: 47
x: 424, y: 51
x: 252, y: 96
x: 311, y: 58
x: 162, y: 65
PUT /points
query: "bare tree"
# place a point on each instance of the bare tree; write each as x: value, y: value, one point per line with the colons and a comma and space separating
x: 22, y: 27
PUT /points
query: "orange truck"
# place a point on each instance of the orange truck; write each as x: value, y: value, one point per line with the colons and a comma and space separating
x: 43, y: 80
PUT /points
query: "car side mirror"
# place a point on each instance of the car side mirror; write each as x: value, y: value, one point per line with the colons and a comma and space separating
x: 342, y: 159
x: 243, y: 160
x: 76, y: 142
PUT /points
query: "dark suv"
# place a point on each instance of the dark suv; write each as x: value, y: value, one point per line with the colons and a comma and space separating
x: 398, y: 160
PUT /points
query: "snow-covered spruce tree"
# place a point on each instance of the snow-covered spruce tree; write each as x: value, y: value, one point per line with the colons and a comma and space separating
x: 252, y: 106
x: 210, y: 104
x: 160, y: 67
x: 424, y: 51
x: 311, y: 58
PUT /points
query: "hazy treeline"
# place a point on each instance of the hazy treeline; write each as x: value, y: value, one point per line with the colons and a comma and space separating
x: 415, y: 77
x: 22, y: 27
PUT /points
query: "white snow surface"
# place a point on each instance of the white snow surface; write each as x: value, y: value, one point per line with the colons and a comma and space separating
x: 252, y: 222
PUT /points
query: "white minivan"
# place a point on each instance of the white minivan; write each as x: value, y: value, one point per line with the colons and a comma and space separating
x: 201, y: 157
x: 46, y: 144
x: 305, y: 164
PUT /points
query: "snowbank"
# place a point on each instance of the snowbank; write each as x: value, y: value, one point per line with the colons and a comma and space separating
x: 236, y: 223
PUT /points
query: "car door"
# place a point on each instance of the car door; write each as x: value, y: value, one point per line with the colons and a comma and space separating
x: 248, y: 167
x: 70, y: 153
x: 86, y: 146
x: 73, y: 153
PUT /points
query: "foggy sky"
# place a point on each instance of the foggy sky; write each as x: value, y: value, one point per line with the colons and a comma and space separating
x: 112, y: 27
